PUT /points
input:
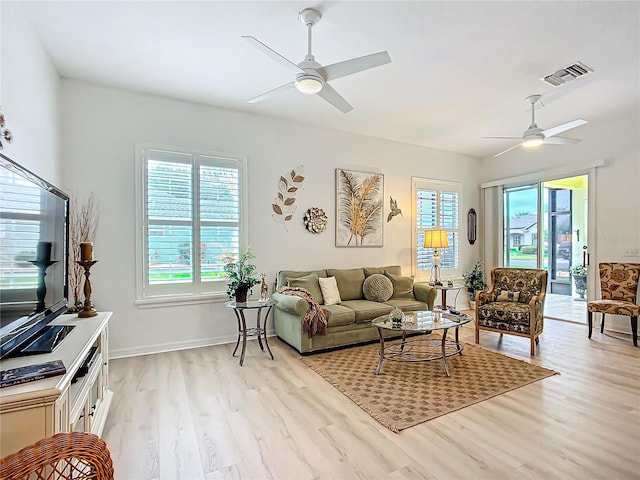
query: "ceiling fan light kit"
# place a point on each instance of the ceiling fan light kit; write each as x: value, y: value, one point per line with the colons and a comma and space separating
x: 311, y: 77
x: 309, y: 84
x: 534, y: 136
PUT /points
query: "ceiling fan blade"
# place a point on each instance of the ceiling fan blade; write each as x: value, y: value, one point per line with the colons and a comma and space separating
x: 561, y: 141
x: 355, y: 65
x: 550, y: 132
x: 281, y: 88
x: 273, y: 54
x: 507, y: 150
x: 507, y: 138
x: 334, y: 98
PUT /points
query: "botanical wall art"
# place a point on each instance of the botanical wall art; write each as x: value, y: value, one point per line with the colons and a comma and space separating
x: 393, y: 209
x: 315, y: 220
x: 359, y: 209
x: 284, y: 203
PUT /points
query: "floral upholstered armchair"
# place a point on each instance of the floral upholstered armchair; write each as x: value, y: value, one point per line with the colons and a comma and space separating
x: 514, y: 304
x: 619, y: 289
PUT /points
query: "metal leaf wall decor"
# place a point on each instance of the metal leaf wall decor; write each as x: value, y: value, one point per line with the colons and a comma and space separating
x: 284, y: 203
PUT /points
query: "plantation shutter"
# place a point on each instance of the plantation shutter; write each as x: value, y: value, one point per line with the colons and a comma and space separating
x: 192, y: 220
x: 437, y: 206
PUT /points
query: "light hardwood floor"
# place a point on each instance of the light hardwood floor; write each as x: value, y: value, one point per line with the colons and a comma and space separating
x: 196, y: 414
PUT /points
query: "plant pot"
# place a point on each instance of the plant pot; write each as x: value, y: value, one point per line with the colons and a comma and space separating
x: 241, y: 294
x: 580, y: 282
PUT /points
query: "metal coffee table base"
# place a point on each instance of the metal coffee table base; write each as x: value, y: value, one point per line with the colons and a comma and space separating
x: 244, y: 332
x: 420, y: 350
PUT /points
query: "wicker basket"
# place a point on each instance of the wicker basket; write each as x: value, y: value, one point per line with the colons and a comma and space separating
x: 74, y: 455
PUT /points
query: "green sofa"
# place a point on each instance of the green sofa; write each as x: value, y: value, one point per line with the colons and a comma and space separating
x: 350, y: 321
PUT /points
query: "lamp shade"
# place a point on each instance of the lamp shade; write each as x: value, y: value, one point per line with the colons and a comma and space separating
x: 435, y: 239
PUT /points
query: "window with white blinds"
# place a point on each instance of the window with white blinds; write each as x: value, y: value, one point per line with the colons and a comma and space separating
x: 436, y: 206
x: 191, y: 219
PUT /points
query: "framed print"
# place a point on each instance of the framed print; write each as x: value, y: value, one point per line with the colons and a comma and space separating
x: 359, y: 209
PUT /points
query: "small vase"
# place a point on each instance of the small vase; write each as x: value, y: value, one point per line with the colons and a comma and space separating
x: 241, y: 294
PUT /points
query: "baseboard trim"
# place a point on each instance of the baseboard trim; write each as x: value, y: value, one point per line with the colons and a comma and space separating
x: 174, y: 346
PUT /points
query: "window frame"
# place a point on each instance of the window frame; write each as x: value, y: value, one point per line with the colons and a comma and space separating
x: 419, y: 183
x: 148, y: 295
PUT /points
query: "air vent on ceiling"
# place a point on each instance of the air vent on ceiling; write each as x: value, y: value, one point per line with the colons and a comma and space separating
x: 566, y: 74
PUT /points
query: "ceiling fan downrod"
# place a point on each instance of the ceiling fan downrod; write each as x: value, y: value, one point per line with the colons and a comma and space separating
x: 310, y: 18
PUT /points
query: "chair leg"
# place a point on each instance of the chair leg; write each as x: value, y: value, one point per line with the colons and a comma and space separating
x: 634, y: 330
x: 477, y: 334
x: 533, y: 347
x: 590, y: 322
x: 602, y: 324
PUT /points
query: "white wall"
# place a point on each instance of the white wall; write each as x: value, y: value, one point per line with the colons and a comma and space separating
x: 617, y: 186
x: 29, y: 96
x: 100, y: 127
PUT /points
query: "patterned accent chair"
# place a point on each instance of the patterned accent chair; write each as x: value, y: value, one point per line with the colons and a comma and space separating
x: 618, y: 290
x: 514, y: 304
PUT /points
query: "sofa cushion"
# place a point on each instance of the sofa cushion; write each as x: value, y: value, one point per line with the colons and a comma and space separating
x: 281, y: 278
x: 340, y: 315
x: 309, y: 283
x: 393, y: 269
x: 407, y: 305
x: 377, y: 288
x: 330, y: 291
x: 365, y: 310
x: 349, y: 282
x: 402, y: 286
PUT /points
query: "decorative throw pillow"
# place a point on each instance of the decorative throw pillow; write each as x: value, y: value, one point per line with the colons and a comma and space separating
x: 402, y: 286
x: 330, y: 292
x: 377, y: 288
x: 507, y: 296
x: 309, y: 283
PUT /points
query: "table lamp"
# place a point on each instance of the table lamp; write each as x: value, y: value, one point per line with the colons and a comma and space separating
x: 435, y: 239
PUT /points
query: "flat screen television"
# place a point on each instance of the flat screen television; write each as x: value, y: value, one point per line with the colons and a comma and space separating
x: 34, y: 237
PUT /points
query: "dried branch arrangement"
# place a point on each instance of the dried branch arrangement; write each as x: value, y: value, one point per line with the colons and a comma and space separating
x: 360, y: 205
x: 83, y: 223
x: 284, y: 203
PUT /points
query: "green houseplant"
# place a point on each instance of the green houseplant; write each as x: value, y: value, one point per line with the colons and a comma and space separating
x: 474, y: 281
x: 240, y: 273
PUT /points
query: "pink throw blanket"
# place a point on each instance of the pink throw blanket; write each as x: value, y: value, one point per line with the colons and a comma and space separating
x: 316, y: 319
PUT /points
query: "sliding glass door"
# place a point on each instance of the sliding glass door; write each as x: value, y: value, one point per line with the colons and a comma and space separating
x: 545, y: 226
x: 521, y: 227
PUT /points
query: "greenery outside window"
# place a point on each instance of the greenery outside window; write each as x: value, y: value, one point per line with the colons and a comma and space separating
x: 436, y: 205
x: 189, y: 219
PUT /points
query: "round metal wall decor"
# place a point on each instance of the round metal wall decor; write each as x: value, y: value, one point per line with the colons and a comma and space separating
x: 315, y: 220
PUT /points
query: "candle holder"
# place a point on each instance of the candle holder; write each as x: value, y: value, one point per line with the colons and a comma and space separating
x: 41, y: 290
x: 88, y: 310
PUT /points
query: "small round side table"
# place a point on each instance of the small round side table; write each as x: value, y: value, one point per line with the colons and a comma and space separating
x: 244, y: 332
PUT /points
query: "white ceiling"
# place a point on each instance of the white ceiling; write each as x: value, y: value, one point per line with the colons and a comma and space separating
x: 460, y: 70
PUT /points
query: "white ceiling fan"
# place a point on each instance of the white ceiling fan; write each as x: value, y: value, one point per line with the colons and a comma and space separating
x: 535, y: 136
x: 311, y: 77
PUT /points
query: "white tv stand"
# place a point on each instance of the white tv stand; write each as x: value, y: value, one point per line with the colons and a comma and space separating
x: 35, y: 410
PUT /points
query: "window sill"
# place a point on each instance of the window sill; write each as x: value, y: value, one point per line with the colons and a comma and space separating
x: 177, y: 300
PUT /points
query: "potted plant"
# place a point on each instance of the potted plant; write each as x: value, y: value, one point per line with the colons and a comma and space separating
x: 240, y: 272
x: 474, y: 282
x: 579, y: 273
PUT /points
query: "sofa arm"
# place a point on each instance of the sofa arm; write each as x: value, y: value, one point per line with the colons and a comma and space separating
x: 425, y: 293
x: 290, y: 304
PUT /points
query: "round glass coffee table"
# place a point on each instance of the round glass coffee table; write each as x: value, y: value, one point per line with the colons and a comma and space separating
x: 260, y: 330
x: 419, y: 348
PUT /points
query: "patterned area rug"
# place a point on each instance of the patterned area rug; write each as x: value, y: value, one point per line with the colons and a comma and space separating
x: 406, y: 394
